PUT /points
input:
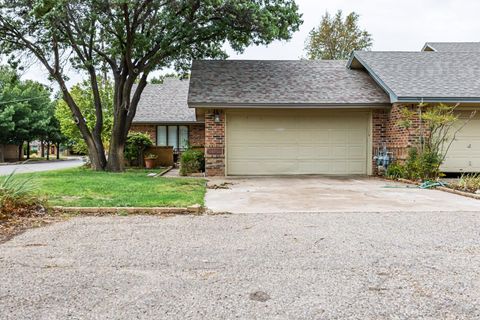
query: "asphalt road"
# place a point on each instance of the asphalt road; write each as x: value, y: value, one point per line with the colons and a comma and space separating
x: 409, y: 265
x: 41, y: 166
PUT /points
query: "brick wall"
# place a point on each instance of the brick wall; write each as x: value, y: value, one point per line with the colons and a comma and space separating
x: 214, y: 144
x: 196, y: 135
x: 387, y: 131
x: 149, y: 129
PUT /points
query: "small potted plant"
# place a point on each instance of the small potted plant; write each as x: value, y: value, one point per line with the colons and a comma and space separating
x: 150, y: 160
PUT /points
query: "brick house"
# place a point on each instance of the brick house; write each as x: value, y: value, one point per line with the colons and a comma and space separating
x: 320, y: 117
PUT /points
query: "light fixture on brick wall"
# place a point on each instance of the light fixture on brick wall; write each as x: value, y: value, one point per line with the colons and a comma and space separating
x: 216, y: 116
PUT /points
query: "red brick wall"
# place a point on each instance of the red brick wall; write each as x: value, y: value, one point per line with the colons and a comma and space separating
x: 214, y: 144
x: 149, y: 129
x: 386, y: 130
x: 196, y: 135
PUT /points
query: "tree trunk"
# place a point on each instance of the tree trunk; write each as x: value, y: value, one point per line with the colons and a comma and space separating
x: 116, y: 159
x: 20, y: 152
x: 2, y: 153
x: 28, y: 150
x: 48, y: 150
x: 42, y: 147
x: 58, y: 151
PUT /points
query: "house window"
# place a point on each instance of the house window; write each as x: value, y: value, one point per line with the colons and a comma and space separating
x: 173, y: 136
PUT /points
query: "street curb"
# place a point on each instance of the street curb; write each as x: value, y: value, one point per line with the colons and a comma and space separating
x: 191, y: 210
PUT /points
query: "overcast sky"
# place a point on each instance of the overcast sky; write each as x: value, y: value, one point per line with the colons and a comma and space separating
x: 394, y: 24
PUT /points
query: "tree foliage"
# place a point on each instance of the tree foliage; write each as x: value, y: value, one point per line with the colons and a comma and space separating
x: 26, y: 110
x: 335, y: 38
x: 130, y: 39
x: 83, y: 95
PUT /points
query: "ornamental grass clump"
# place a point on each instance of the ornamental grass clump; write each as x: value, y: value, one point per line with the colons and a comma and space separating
x: 469, y: 182
x: 18, y: 197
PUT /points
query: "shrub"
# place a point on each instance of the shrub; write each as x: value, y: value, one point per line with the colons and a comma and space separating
x: 395, y: 171
x: 136, y: 144
x: 417, y: 166
x: 468, y: 182
x: 192, y: 161
x: 17, y: 197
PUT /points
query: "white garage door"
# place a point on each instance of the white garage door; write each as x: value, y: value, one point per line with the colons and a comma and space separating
x: 276, y: 142
x: 464, y: 153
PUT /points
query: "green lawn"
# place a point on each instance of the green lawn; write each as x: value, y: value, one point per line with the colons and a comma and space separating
x: 86, y: 188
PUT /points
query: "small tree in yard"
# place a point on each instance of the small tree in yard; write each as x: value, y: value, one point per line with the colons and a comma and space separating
x: 130, y: 39
x: 137, y: 143
x: 436, y: 130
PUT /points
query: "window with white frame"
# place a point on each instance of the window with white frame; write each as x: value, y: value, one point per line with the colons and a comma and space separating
x: 173, y: 136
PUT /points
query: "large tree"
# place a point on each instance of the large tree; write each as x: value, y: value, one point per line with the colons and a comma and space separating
x: 25, y: 108
x: 335, y: 38
x: 132, y: 38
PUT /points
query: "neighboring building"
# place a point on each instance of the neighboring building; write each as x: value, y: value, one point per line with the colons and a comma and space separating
x: 164, y: 114
x: 452, y: 46
x: 314, y: 117
x: 9, y: 153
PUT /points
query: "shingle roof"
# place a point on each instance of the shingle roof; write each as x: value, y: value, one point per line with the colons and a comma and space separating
x: 270, y: 82
x: 165, y: 102
x: 452, y: 46
x: 431, y: 76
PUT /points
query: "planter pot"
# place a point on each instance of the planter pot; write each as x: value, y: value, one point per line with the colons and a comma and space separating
x: 149, y: 163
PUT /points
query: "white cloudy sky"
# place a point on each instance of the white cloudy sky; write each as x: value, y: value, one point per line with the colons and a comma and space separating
x: 394, y: 24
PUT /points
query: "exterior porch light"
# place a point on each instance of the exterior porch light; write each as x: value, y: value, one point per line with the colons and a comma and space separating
x: 216, y: 116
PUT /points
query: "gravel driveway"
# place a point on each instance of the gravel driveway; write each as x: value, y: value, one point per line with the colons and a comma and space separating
x: 300, y: 266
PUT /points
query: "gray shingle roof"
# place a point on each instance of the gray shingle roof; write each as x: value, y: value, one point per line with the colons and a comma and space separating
x: 452, y: 46
x: 165, y: 102
x: 433, y: 76
x: 270, y: 82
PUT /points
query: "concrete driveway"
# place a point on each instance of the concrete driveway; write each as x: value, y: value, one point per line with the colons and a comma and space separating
x: 328, y: 194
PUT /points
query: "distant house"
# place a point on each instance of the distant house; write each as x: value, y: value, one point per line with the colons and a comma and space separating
x: 257, y: 117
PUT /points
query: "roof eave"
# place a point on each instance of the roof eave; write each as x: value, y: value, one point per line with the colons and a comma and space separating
x: 437, y: 99
x: 228, y: 105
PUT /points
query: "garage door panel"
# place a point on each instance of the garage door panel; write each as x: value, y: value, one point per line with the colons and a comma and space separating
x: 284, y: 142
x: 464, y: 153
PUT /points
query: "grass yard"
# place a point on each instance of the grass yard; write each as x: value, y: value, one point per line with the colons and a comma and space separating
x: 85, y: 188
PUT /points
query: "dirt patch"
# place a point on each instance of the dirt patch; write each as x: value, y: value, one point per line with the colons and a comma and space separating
x: 224, y: 185
x: 12, y: 226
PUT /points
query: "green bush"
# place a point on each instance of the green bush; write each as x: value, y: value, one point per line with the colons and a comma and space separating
x: 192, y: 161
x: 136, y: 144
x: 418, y: 166
x: 395, y: 171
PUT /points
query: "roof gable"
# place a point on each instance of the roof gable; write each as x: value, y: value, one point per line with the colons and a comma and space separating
x: 163, y: 103
x: 423, y: 76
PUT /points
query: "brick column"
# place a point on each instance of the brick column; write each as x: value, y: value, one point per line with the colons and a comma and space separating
x: 379, y: 133
x: 214, y: 144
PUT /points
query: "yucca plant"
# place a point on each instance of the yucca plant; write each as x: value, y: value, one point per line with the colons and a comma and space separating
x: 17, y: 195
